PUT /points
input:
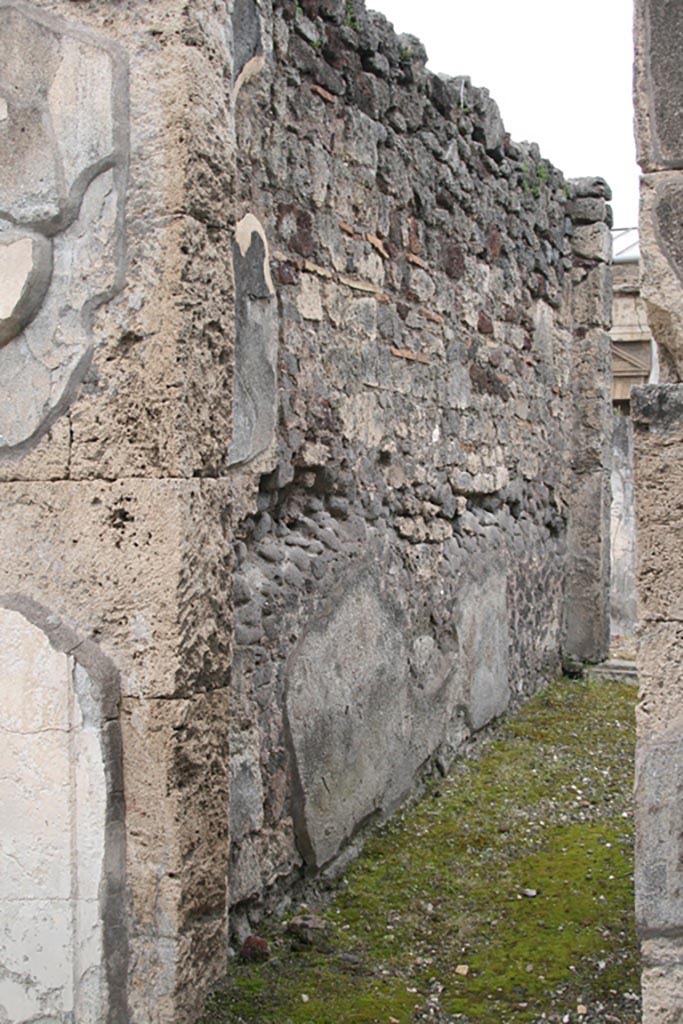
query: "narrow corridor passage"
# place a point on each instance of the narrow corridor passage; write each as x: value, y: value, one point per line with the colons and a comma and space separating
x: 504, y: 895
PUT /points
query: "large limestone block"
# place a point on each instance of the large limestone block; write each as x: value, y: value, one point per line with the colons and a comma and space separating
x: 145, y: 372
x: 348, y: 717
x: 659, y: 83
x: 657, y: 412
x: 657, y: 415
x: 660, y: 657
x: 176, y: 778
x: 137, y: 565
x: 659, y: 844
x: 661, y: 244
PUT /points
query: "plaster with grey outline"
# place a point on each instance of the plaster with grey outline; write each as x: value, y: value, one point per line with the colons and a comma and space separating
x: 63, y: 166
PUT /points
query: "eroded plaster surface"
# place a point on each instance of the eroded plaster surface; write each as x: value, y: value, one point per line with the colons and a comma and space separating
x: 62, y: 177
x: 256, y: 330
x: 52, y: 834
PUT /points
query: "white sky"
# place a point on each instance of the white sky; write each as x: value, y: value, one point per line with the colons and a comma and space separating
x: 560, y: 72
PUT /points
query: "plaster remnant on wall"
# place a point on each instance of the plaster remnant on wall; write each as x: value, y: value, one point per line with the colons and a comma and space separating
x: 348, y: 715
x: 63, y: 151
x: 255, y: 381
x: 483, y: 635
x: 25, y: 272
x: 248, y: 58
x: 52, y: 846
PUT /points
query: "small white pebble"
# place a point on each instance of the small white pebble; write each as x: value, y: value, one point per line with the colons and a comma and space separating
x: 304, y: 997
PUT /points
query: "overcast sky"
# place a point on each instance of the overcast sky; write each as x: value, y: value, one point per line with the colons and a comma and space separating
x: 560, y: 73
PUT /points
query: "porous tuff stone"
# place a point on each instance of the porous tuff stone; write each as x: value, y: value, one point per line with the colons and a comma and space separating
x: 113, y: 400
x: 657, y: 412
x: 659, y: 84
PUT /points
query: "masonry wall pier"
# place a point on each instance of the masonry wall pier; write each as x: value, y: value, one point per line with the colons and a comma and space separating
x: 658, y: 430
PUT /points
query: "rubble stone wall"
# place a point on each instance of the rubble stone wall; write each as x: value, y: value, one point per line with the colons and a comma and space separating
x: 658, y: 430
x: 429, y: 528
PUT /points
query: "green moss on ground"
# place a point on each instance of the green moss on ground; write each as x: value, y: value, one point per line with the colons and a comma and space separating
x: 518, y: 867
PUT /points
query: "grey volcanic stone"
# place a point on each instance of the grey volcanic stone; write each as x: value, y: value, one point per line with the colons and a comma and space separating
x: 658, y: 408
x: 664, y: 78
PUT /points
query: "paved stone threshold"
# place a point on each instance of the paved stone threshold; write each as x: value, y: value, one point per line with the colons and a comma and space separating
x: 619, y: 669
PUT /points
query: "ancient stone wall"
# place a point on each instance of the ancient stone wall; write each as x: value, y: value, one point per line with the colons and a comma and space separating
x: 658, y: 430
x: 291, y: 333
x: 427, y: 529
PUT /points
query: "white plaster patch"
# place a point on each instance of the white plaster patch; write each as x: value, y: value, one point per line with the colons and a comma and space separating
x: 16, y: 265
x: 52, y: 833
x: 3, y: 109
x: 252, y: 68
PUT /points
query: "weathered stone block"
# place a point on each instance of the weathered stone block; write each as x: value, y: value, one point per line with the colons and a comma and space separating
x: 659, y: 83
x: 593, y: 242
x: 592, y: 296
x: 661, y: 244
x: 176, y: 780
x: 662, y: 980
x: 139, y: 564
x: 660, y: 674
x: 659, y: 851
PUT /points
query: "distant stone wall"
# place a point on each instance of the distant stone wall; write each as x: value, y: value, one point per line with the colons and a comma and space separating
x: 427, y: 530
x: 658, y: 426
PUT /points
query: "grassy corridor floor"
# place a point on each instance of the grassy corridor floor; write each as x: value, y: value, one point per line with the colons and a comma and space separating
x: 505, y: 895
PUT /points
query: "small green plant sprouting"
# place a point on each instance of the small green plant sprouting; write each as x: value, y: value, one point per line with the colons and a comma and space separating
x: 350, y: 19
x: 406, y: 55
x: 535, y: 176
